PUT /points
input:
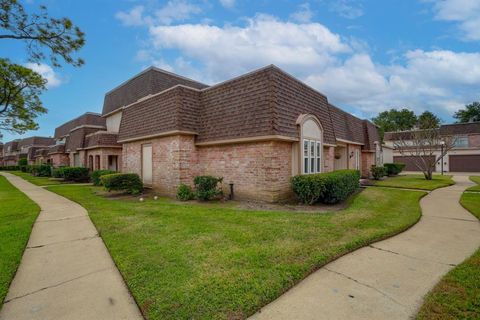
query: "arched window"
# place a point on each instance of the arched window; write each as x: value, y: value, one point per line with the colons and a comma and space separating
x: 311, y: 144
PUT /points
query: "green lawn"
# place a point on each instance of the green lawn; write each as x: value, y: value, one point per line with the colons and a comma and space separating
x: 17, y: 215
x: 416, y: 181
x: 475, y: 179
x: 39, y: 181
x: 457, y: 296
x: 190, y: 261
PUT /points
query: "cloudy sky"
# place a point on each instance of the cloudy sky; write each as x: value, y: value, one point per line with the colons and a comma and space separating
x: 365, y: 55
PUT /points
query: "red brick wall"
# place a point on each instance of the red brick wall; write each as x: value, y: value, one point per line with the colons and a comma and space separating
x: 329, y: 158
x: 474, y: 141
x: 258, y: 170
x: 368, y: 160
x: 104, y: 153
x: 60, y: 159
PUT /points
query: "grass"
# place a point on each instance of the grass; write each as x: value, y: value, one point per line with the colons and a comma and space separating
x: 457, y: 296
x: 476, y: 188
x: 39, y: 181
x: 416, y: 181
x: 190, y: 261
x: 17, y: 215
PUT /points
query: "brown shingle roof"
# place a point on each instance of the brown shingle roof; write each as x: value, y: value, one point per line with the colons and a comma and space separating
x: 88, y: 118
x: 148, y: 82
x: 460, y: 128
x: 101, y: 139
x: 265, y: 102
x: 76, y: 139
x: 35, y: 141
x: 59, y: 148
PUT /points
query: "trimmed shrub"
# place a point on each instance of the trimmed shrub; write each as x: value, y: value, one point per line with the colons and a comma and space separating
x: 97, y: 174
x: 339, y: 185
x: 9, y: 168
x: 330, y: 187
x: 185, y: 193
x: 58, y: 172
x: 206, y: 187
x: 378, y: 172
x: 128, y: 182
x: 22, y: 164
x: 42, y: 170
x: 394, y: 168
x: 76, y: 174
x: 308, y: 188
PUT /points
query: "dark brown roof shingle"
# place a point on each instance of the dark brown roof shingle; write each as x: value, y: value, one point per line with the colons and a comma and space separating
x: 88, y: 118
x: 148, y: 82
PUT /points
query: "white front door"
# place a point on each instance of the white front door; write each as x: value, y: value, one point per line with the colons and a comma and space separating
x: 147, y: 168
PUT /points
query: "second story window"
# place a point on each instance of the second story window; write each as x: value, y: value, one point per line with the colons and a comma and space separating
x: 461, y: 142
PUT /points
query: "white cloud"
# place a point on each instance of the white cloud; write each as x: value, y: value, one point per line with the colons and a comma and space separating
x: 464, y: 12
x: 342, y: 68
x: 53, y: 80
x: 303, y: 15
x: 227, y: 3
x: 174, y: 10
x: 349, y: 9
x: 134, y: 17
x: 263, y: 40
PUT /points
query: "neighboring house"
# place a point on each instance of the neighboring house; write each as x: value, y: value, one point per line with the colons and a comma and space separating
x: 84, y: 141
x: 24, y: 148
x: 256, y: 131
x: 463, y: 157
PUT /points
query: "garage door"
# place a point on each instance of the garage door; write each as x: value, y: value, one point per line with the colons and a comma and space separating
x: 410, y: 162
x: 464, y: 163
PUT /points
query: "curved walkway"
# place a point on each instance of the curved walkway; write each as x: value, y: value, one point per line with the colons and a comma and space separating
x: 387, y: 280
x: 66, y: 271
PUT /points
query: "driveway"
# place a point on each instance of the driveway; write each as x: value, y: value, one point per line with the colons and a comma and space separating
x: 66, y: 271
x: 388, y: 279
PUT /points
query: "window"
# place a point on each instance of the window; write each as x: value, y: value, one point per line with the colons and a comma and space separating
x: 312, y: 156
x: 461, y: 142
x: 357, y: 159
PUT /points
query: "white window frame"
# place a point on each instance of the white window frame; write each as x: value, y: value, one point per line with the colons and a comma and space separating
x: 309, y: 159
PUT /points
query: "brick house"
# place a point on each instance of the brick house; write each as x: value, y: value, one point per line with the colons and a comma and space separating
x: 256, y: 131
x: 83, y: 141
x: 24, y: 148
x: 463, y: 157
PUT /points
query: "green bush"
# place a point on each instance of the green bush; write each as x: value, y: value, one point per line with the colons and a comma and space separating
x: 308, y: 188
x: 206, y: 187
x: 394, y: 168
x: 97, y: 174
x: 22, y: 164
x: 42, y: 170
x: 128, y: 182
x: 185, y: 193
x: 378, y: 172
x: 76, y: 174
x: 58, y: 172
x: 330, y: 187
x: 9, y: 168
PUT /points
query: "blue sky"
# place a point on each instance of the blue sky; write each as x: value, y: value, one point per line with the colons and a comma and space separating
x: 366, y: 56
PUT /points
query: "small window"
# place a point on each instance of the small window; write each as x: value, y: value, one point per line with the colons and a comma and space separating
x: 305, y: 156
x: 318, y: 156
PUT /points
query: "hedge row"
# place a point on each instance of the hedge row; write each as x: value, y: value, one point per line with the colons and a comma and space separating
x: 9, y: 168
x: 331, y: 187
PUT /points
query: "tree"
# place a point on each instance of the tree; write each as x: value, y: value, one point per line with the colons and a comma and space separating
x: 422, y: 148
x: 428, y: 120
x: 470, y: 113
x: 395, y: 120
x: 20, y: 90
x: 44, y: 36
x: 41, y: 33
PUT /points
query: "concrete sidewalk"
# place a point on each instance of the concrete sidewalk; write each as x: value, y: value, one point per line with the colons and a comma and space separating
x: 66, y: 271
x: 388, y: 279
